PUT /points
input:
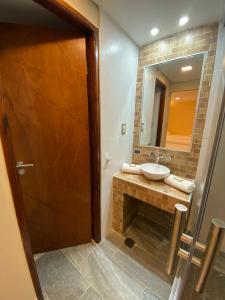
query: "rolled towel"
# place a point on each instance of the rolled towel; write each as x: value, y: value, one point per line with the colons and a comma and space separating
x: 131, y: 168
x: 182, y: 184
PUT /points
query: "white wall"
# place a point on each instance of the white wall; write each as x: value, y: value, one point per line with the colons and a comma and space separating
x: 87, y: 8
x: 150, y: 76
x: 216, y: 202
x: 148, y: 104
x: 118, y: 71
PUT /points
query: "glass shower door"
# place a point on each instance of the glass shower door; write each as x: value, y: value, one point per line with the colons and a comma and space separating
x: 201, y: 274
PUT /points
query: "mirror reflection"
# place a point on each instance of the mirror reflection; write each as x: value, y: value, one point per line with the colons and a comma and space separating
x: 170, y: 94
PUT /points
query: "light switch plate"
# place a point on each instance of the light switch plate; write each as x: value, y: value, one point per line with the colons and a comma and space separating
x: 123, y: 128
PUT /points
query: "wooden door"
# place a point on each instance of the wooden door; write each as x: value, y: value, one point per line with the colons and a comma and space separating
x: 43, y: 83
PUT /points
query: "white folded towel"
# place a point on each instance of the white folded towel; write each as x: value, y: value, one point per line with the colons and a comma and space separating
x: 131, y: 168
x: 184, y: 185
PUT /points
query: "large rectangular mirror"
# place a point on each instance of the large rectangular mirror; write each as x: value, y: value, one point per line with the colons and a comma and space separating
x: 170, y: 94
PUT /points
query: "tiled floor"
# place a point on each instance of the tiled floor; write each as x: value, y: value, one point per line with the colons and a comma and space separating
x: 112, y: 271
x: 109, y: 270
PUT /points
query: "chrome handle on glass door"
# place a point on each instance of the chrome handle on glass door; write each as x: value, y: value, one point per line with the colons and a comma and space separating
x: 209, y: 250
x: 20, y: 165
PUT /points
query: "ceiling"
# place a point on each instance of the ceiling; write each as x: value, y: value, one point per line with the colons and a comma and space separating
x: 137, y: 17
x: 28, y: 12
x: 172, y: 69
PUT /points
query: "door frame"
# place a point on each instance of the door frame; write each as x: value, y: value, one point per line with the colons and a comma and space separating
x: 69, y: 14
x: 161, y: 111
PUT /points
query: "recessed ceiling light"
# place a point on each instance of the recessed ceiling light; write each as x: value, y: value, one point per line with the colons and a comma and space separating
x: 154, y: 31
x: 177, y: 98
x: 186, y: 68
x: 183, y: 20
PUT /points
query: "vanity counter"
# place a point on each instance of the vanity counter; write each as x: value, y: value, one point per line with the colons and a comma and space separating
x: 155, y: 193
x: 154, y: 185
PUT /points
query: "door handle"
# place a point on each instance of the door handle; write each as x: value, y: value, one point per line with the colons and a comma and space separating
x: 20, y: 165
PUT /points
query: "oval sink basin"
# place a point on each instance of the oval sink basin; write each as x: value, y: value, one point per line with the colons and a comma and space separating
x: 154, y: 171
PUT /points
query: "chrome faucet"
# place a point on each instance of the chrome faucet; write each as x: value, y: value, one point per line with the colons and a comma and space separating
x: 160, y: 156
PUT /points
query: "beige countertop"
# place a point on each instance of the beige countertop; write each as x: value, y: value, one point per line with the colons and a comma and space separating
x: 156, y: 186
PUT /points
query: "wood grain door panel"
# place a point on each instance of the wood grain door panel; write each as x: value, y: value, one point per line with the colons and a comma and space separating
x: 43, y: 78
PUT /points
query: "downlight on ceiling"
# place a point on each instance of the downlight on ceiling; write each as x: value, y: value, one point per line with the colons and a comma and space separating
x: 154, y: 31
x: 183, y: 20
x: 177, y: 98
x: 186, y: 68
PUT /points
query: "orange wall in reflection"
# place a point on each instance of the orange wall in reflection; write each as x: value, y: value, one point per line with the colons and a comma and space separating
x: 182, y: 112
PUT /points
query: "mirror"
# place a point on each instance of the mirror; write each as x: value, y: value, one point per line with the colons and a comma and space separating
x: 170, y: 94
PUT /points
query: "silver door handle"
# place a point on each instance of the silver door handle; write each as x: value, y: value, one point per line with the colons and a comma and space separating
x: 20, y: 164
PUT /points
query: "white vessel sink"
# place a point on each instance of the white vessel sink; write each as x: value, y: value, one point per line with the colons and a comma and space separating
x: 154, y: 171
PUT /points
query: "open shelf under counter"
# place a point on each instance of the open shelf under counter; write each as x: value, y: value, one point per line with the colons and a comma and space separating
x: 155, y: 193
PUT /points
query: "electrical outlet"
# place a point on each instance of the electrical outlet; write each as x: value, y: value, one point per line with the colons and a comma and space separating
x: 123, y: 128
x: 137, y: 151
